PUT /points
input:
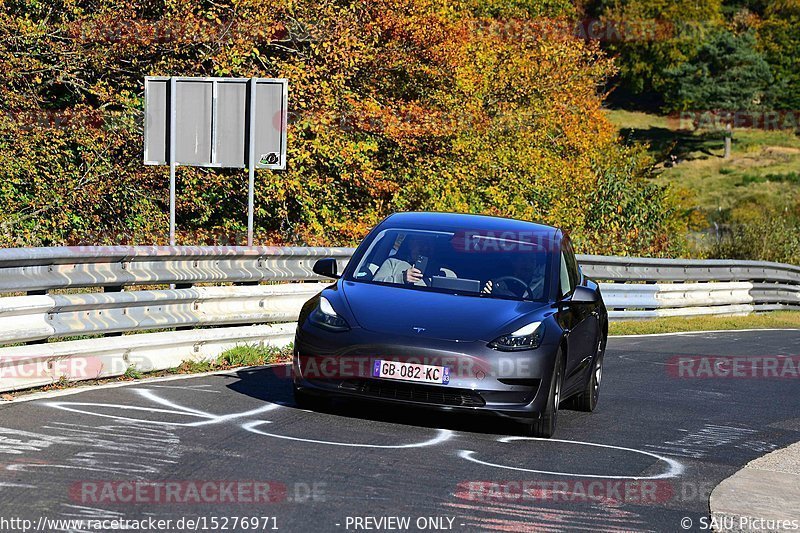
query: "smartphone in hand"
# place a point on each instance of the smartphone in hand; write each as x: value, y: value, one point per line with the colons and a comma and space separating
x: 421, y: 263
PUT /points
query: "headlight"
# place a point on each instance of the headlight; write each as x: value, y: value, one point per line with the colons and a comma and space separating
x: 325, y: 317
x: 525, y: 338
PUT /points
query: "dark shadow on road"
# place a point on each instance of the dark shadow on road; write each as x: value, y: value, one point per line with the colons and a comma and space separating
x: 274, y: 384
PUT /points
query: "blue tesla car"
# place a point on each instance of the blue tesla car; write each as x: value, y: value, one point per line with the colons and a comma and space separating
x: 456, y: 312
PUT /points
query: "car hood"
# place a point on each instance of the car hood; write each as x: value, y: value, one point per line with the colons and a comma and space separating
x: 397, y: 311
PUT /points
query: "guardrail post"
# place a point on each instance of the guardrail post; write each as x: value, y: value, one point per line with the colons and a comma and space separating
x: 113, y: 288
x: 183, y: 286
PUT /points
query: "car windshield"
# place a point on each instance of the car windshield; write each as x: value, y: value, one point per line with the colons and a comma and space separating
x: 474, y: 263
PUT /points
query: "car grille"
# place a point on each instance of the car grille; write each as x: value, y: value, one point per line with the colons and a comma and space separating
x: 413, y: 393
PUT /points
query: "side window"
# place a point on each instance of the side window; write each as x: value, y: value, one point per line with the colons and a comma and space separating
x: 563, y: 277
x: 572, y: 263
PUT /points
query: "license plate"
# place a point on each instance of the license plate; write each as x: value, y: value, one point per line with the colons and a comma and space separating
x: 411, y: 372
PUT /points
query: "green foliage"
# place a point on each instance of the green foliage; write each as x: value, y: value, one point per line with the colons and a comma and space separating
x: 132, y: 373
x: 791, y: 177
x: 252, y: 355
x: 621, y: 218
x: 726, y: 73
x: 475, y: 105
x: 764, y: 235
x: 239, y: 355
x: 728, y: 205
x: 682, y: 29
x: 779, y: 39
x: 670, y: 32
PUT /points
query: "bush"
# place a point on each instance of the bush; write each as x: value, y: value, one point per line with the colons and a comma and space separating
x: 767, y: 237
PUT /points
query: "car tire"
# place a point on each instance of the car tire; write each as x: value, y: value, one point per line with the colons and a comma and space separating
x: 586, y: 401
x: 545, y: 426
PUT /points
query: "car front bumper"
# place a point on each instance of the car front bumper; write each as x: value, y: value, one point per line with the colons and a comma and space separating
x: 509, y: 384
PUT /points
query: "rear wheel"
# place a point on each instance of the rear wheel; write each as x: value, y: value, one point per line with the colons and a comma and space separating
x: 587, y: 400
x: 545, y: 426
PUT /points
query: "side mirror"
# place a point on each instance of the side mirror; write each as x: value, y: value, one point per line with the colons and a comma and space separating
x: 584, y: 295
x: 327, y: 267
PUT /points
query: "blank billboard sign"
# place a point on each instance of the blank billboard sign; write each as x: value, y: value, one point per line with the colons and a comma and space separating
x: 193, y: 123
x: 231, y: 124
x: 270, y: 132
x: 156, y: 121
x: 214, y: 119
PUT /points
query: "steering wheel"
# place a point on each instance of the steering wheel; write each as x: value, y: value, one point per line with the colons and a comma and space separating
x: 526, y: 288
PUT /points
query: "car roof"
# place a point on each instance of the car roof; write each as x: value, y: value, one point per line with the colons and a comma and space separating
x: 464, y: 221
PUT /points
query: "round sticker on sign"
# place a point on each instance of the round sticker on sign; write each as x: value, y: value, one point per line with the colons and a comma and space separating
x: 269, y: 159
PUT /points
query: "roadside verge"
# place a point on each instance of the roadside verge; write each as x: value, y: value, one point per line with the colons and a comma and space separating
x: 762, y: 496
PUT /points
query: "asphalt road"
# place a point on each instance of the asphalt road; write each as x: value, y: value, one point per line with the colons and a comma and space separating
x: 654, y: 449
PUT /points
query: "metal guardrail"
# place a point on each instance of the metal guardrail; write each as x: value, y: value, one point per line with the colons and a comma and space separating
x: 636, y: 287
x: 631, y: 269
x: 32, y: 318
x: 44, y: 269
x: 245, y: 289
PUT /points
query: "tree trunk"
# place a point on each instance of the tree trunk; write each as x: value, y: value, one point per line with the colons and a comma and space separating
x: 728, y: 137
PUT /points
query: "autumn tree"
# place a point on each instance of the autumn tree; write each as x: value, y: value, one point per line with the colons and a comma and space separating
x: 476, y: 105
x: 726, y: 74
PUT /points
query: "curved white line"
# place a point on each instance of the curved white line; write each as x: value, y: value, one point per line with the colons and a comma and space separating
x: 211, y: 418
x: 155, y: 398
x: 675, y: 468
x: 444, y: 434
x: 63, y: 406
x: 223, y: 418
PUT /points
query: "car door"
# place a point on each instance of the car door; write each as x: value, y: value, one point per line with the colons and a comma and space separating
x: 583, y: 321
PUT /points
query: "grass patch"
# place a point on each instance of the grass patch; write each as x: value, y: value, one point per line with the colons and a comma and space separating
x: 776, y: 319
x: 132, y: 373
x: 760, y: 176
x: 241, y: 355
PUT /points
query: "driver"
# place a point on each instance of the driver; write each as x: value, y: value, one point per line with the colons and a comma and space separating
x: 524, y: 269
x: 400, y: 269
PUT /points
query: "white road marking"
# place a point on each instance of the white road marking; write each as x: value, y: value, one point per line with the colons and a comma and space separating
x: 16, y: 485
x: 675, y: 468
x: 443, y: 435
x: 71, y: 406
x: 169, y: 407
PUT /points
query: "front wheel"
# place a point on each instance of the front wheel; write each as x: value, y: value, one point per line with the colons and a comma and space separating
x: 587, y: 400
x: 545, y: 426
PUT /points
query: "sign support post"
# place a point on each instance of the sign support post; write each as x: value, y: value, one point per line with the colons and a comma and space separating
x: 172, y: 162
x: 251, y: 164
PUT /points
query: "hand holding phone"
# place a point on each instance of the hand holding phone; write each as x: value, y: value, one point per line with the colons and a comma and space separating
x: 421, y: 263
